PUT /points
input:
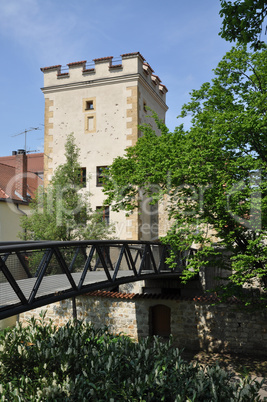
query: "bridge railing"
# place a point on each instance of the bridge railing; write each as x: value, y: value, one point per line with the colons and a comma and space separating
x: 37, y: 273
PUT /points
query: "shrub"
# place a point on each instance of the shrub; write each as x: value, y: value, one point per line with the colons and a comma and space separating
x: 80, y: 363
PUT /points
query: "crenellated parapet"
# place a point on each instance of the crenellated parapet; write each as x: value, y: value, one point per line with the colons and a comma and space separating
x: 104, y: 68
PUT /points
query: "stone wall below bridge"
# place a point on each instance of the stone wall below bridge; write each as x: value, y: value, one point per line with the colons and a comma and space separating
x: 194, y: 324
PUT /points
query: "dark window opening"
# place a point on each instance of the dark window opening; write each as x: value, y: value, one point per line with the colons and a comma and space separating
x: 100, y: 175
x: 89, y: 105
x: 82, y: 177
x: 104, y: 214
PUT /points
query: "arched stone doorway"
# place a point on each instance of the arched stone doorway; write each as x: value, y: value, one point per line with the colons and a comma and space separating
x: 160, y: 320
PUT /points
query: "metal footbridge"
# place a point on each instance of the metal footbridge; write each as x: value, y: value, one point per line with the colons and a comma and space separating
x: 33, y: 274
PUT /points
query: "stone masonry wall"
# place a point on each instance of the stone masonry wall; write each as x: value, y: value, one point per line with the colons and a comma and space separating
x: 194, y: 325
x: 227, y: 328
x: 118, y: 315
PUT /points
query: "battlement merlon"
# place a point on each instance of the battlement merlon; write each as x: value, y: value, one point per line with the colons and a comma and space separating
x: 103, y: 68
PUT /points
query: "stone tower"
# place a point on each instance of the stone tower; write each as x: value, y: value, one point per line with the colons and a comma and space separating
x: 102, y: 103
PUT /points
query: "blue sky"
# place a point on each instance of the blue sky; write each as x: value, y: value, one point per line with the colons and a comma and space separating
x: 178, y: 38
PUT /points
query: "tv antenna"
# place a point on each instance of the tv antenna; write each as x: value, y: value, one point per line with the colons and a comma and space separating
x: 25, y: 132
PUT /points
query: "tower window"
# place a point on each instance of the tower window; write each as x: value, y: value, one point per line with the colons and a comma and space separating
x: 104, y: 214
x: 101, y: 172
x: 82, y: 177
x: 90, y: 123
x: 89, y: 105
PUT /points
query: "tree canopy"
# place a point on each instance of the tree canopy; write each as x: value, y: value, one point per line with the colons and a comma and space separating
x: 62, y: 211
x: 214, y: 174
x: 243, y: 21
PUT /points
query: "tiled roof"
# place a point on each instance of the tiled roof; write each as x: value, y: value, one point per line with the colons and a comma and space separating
x: 215, y: 299
x: 50, y: 68
x: 88, y: 70
x: 162, y: 85
x: 159, y: 296
x: 33, y: 182
x: 156, y: 77
x: 131, y: 296
x: 8, y: 160
x: 116, y: 66
x: 103, y: 59
x: 63, y: 74
x: 148, y: 66
x: 35, y: 162
x: 113, y: 295
x: 6, y: 175
x: 77, y: 63
x: 132, y: 54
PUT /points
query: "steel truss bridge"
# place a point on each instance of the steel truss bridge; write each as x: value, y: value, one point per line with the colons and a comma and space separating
x: 33, y: 274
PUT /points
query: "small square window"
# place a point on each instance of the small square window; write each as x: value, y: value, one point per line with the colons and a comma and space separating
x: 101, y: 172
x: 89, y: 105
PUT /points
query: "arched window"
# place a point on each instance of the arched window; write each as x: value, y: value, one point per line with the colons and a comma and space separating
x: 160, y: 320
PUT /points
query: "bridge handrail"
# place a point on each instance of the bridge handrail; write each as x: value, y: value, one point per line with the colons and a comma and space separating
x: 39, y: 244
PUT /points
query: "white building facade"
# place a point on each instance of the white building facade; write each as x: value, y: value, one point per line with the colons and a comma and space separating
x: 102, y: 104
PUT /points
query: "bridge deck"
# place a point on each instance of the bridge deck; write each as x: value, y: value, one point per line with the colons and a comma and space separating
x: 54, y: 284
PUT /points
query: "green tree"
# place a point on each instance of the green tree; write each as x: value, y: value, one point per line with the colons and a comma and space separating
x: 243, y: 21
x: 62, y: 211
x: 214, y: 174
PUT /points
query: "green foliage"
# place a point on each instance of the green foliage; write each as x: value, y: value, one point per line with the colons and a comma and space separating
x: 214, y: 174
x: 243, y: 21
x: 78, y: 362
x: 62, y: 210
